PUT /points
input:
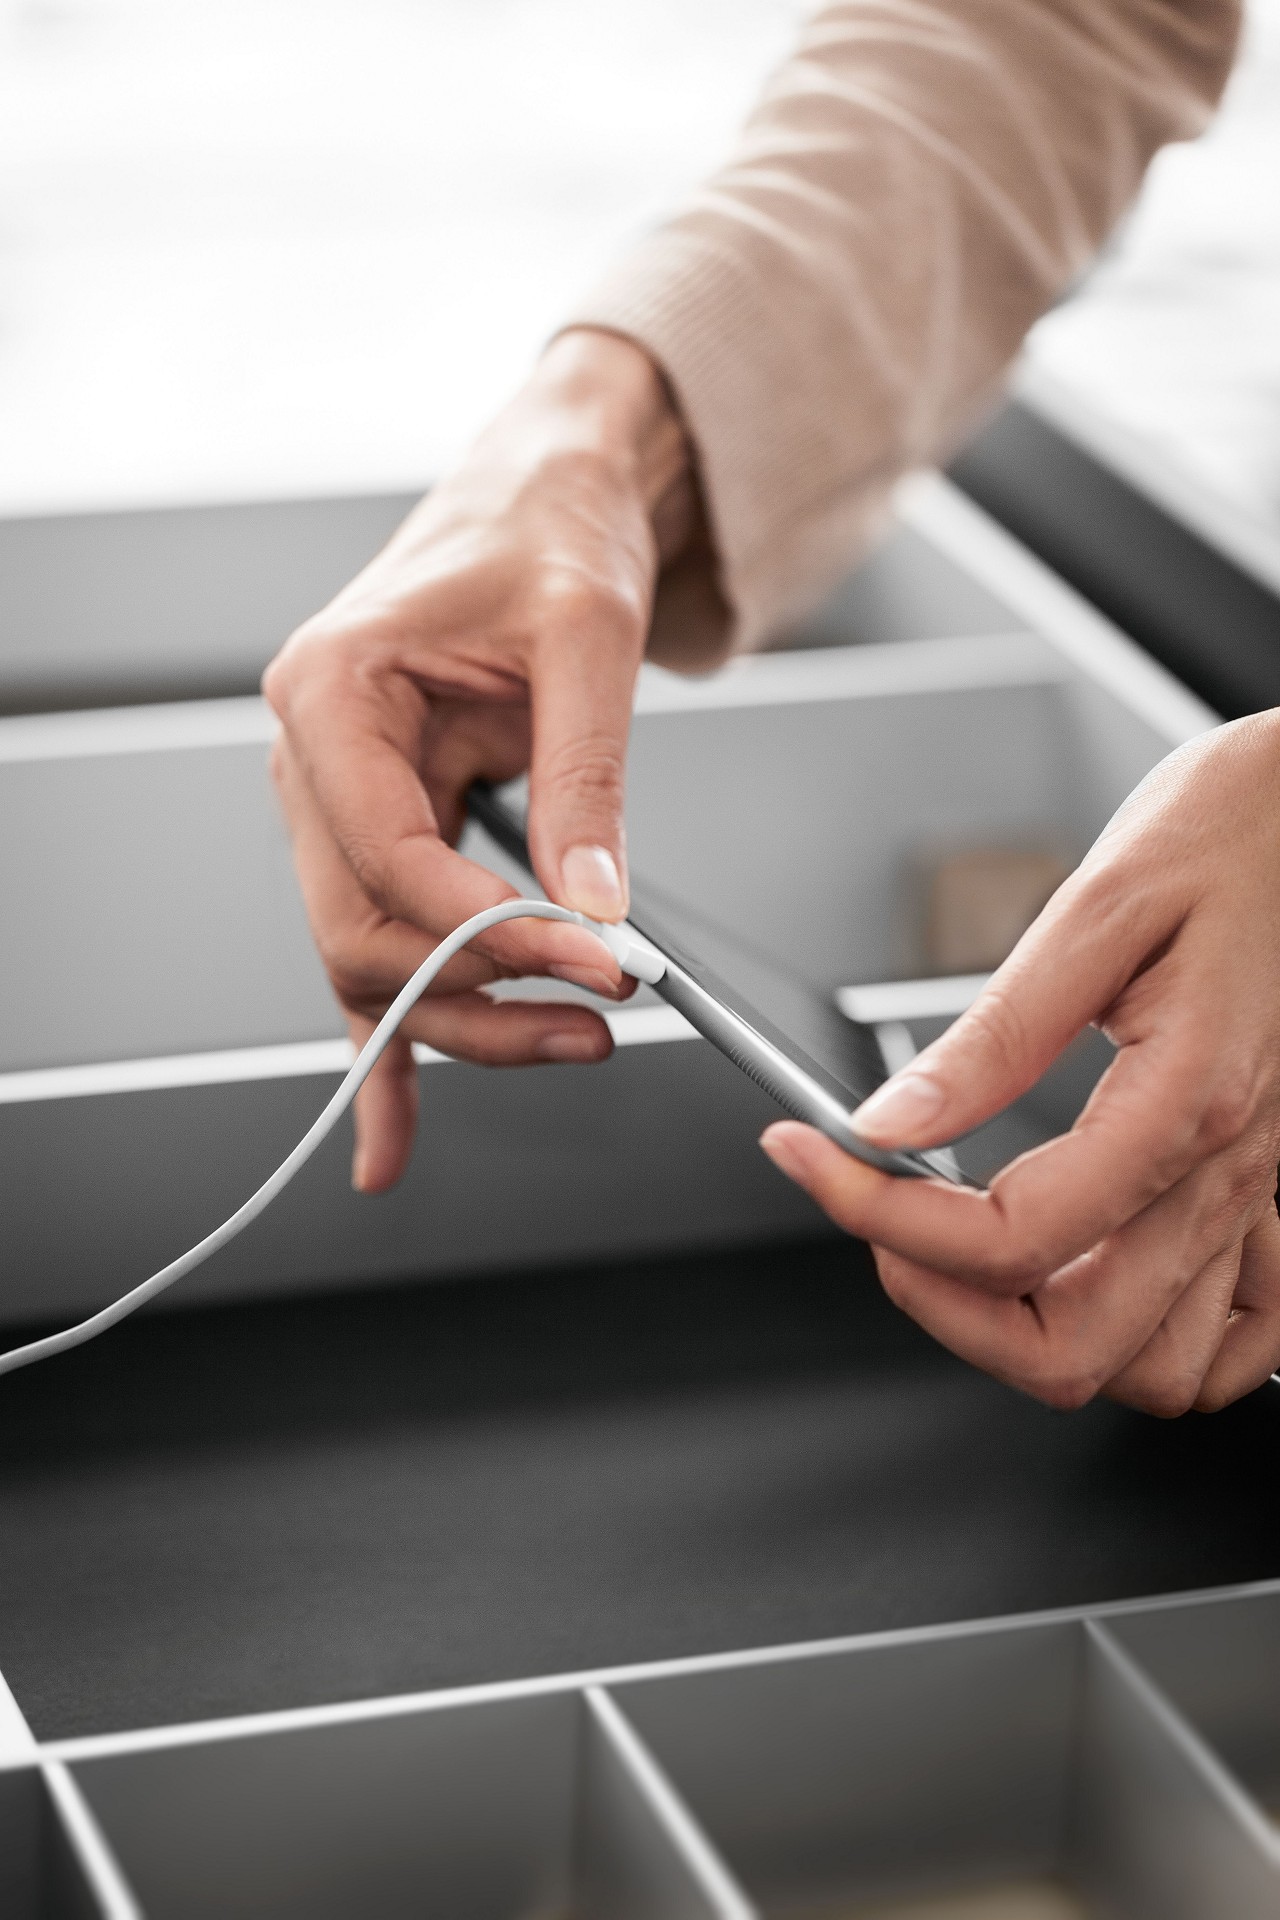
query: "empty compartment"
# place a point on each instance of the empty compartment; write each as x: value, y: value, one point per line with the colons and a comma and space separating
x: 967, y: 1776
x: 1218, y: 1660
x: 797, y: 808
x: 512, y: 1809
x: 41, y: 1877
x: 815, y: 861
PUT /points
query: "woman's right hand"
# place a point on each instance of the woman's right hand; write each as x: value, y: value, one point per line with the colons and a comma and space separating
x: 500, y: 629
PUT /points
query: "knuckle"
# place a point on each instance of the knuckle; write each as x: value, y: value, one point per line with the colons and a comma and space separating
x: 378, y: 866
x: 995, y: 1027
x: 1065, y: 1379
x: 1021, y: 1256
x: 592, y: 767
x: 1165, y: 1394
x: 1211, y: 1398
x: 352, y: 978
x: 1019, y: 1265
x: 568, y: 601
x: 329, y: 649
x: 1227, y: 1107
x: 894, y: 1277
x: 1102, y: 890
x: 1244, y: 1192
x: 1256, y: 1173
x: 1066, y: 1389
x: 274, y: 685
x: 282, y: 672
x: 1172, y: 1398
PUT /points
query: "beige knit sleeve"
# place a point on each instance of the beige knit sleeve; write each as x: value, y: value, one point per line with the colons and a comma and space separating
x: 834, y: 307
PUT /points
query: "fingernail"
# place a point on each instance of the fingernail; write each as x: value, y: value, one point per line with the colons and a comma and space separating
x: 589, y: 879
x: 777, y: 1145
x: 898, y: 1109
x: 586, y: 977
x: 359, y: 1170
x: 571, y: 1048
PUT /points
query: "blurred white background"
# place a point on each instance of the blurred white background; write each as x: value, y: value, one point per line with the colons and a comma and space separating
x: 265, y: 247
x: 1177, y: 334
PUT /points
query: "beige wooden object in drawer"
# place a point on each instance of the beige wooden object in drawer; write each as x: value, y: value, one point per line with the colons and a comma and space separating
x: 1023, y: 1900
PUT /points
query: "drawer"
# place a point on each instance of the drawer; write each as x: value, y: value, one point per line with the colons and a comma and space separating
x: 166, y: 1032
x: 1025, y: 1769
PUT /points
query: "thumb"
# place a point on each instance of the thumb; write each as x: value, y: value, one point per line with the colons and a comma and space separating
x: 582, y: 696
x: 1066, y: 970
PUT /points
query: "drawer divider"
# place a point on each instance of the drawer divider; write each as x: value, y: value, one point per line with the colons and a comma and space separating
x: 722, y: 1897
x: 92, y: 1850
x: 1165, y: 1818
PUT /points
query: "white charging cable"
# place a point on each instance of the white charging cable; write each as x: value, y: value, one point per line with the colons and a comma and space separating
x: 633, y: 954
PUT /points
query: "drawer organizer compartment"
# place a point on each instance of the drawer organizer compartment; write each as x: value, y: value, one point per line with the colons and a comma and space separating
x: 43, y: 1825
x: 1029, y: 1769
x: 1021, y: 1773
x: 1219, y: 1663
x: 534, y: 1807
x: 166, y: 1032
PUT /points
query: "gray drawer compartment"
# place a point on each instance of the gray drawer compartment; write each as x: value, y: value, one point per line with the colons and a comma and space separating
x: 1218, y: 1660
x: 1029, y: 1767
x: 45, y: 1832
x: 521, y: 1807
x: 960, y: 1763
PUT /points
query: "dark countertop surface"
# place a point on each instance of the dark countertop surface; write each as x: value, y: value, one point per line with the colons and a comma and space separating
x: 229, y: 1510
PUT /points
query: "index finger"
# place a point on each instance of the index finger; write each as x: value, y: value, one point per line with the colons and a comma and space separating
x: 354, y: 744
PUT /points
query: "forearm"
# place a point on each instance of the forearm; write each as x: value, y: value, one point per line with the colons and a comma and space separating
x: 918, y: 184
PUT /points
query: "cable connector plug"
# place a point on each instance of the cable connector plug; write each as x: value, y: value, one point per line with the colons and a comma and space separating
x: 633, y: 953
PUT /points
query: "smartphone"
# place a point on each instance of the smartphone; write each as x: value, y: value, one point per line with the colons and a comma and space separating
x: 786, y: 1035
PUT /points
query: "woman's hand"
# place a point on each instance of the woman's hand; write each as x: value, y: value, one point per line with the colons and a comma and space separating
x: 501, y: 629
x: 1138, y: 1255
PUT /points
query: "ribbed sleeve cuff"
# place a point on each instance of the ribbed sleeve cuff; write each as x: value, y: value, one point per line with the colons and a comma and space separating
x: 779, y: 529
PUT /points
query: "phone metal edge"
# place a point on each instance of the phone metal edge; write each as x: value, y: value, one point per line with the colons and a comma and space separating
x: 788, y: 1083
x: 795, y: 1091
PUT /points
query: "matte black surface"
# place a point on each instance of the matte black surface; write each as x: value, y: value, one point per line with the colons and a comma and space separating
x: 1206, y: 619
x: 245, y: 1508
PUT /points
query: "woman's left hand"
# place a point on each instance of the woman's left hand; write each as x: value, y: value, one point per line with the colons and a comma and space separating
x: 1138, y: 1255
